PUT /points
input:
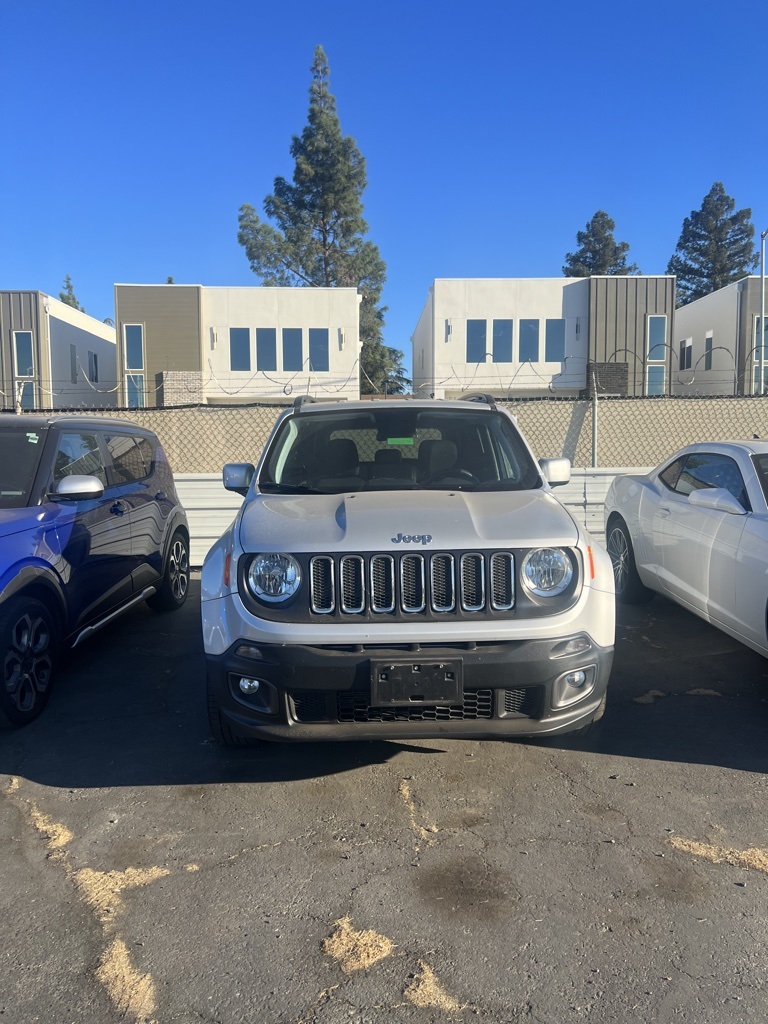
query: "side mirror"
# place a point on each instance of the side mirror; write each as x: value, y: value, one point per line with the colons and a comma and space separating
x: 237, y: 476
x: 717, y: 498
x: 556, y: 471
x: 78, y: 488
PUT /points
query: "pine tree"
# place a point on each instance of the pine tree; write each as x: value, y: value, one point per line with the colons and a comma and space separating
x: 319, y: 237
x: 715, y: 248
x: 598, y: 252
x: 68, y: 295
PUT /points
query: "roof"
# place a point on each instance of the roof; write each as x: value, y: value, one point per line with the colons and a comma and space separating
x: 36, y: 421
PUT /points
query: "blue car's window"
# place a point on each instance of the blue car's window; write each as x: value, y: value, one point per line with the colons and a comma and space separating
x: 19, y: 458
x: 78, y: 455
x: 127, y: 460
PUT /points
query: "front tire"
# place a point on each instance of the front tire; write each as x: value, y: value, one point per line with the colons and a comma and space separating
x: 629, y: 587
x: 175, y: 586
x: 29, y: 645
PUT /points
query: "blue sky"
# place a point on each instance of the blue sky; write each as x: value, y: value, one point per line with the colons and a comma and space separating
x: 492, y: 132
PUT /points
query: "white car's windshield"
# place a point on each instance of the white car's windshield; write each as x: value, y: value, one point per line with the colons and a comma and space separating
x: 397, y: 449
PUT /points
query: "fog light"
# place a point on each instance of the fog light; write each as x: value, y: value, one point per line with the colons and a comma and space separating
x: 257, y: 694
x: 572, y: 679
x: 573, y: 686
x: 249, y: 686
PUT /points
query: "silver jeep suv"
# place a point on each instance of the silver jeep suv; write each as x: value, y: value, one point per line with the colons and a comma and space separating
x: 401, y: 569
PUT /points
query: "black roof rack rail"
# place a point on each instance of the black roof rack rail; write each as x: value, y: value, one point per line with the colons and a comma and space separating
x: 302, y: 400
x: 480, y: 396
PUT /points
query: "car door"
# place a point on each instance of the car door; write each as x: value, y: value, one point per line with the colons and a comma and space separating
x: 94, y: 535
x: 700, y: 545
x: 131, y: 467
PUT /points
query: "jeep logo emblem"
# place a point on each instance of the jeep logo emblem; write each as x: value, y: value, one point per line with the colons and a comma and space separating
x: 412, y: 538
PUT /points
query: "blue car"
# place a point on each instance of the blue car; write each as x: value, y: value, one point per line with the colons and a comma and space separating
x: 90, y: 525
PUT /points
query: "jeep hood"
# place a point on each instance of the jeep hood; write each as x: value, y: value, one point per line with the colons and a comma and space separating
x: 393, y: 520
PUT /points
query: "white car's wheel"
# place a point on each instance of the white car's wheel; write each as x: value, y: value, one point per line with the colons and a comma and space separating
x: 629, y: 588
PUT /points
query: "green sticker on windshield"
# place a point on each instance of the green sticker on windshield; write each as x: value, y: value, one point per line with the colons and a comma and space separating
x: 400, y: 440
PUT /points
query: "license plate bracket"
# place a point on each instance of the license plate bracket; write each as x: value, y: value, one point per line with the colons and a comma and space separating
x: 416, y: 682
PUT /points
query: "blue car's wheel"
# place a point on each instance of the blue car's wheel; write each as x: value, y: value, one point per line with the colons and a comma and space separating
x: 28, y: 655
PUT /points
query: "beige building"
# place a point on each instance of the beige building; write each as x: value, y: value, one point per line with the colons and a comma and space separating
x: 190, y: 344
x: 526, y: 337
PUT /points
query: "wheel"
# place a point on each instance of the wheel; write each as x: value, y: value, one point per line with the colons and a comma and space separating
x: 629, y: 588
x: 28, y: 646
x: 222, y: 733
x: 173, y: 590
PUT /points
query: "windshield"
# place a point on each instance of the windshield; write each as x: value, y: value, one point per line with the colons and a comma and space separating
x: 19, y: 456
x: 397, y: 449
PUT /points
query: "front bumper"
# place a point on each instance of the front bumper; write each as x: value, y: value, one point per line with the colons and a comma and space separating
x: 323, y: 692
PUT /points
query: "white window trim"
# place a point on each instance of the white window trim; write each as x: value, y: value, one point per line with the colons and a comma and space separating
x: 32, y: 376
x: 133, y: 370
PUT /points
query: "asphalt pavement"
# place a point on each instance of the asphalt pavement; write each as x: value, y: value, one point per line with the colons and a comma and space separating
x: 149, y: 875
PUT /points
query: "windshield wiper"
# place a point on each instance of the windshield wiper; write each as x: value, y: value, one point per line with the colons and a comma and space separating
x: 273, y: 488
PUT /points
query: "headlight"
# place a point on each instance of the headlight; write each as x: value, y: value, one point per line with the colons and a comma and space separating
x: 546, y: 572
x: 273, y: 577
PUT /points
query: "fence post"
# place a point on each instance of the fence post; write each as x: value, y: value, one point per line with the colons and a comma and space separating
x: 594, y: 421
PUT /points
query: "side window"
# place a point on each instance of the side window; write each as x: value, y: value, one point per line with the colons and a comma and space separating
x: 126, y: 458
x: 147, y: 454
x: 671, y: 474
x: 712, y: 470
x: 78, y: 455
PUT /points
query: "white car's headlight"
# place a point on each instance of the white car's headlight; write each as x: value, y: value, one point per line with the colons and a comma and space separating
x: 273, y: 577
x: 546, y: 572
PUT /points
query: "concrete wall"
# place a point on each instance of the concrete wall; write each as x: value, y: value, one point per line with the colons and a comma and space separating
x: 456, y: 301
x: 335, y: 309
x: 66, y: 327
x: 716, y: 315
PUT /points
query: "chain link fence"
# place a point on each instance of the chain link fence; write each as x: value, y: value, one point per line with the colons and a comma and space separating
x: 605, y: 432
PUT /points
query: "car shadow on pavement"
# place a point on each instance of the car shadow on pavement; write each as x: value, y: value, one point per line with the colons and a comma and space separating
x: 129, y: 709
x: 682, y: 691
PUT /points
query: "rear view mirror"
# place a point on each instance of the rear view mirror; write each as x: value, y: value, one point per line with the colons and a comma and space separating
x: 717, y: 498
x: 78, y: 488
x: 237, y: 476
x: 556, y: 471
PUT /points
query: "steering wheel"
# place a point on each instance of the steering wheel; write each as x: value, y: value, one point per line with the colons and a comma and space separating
x: 452, y: 473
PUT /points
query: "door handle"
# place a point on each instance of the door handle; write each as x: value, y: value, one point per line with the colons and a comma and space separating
x: 664, y: 511
x: 160, y: 496
x: 118, y: 509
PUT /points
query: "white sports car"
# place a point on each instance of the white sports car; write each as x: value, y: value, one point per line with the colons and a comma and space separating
x: 696, y: 530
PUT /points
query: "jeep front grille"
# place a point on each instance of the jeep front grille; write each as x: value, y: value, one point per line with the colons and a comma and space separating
x: 412, y: 582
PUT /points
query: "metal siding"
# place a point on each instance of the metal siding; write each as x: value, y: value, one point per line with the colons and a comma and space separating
x: 20, y: 311
x: 171, y: 318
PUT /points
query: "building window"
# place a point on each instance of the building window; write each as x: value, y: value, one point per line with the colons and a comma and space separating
x: 292, y: 356
x: 23, y: 352
x: 686, y: 353
x: 502, y: 341
x: 133, y: 352
x: 239, y: 348
x: 133, y: 335
x: 134, y: 390
x: 656, y: 380
x: 656, y: 349
x: 708, y: 346
x: 318, y: 348
x: 24, y: 358
x: 73, y: 363
x: 554, y: 341
x: 93, y: 367
x: 529, y: 341
x: 266, y: 348
x: 756, y: 349
x: 476, y: 343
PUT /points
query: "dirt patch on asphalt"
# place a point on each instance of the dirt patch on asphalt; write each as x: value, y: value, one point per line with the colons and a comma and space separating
x: 132, y: 994
x: 753, y: 858
x: 426, y: 992
x: 356, y: 951
x: 101, y: 889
